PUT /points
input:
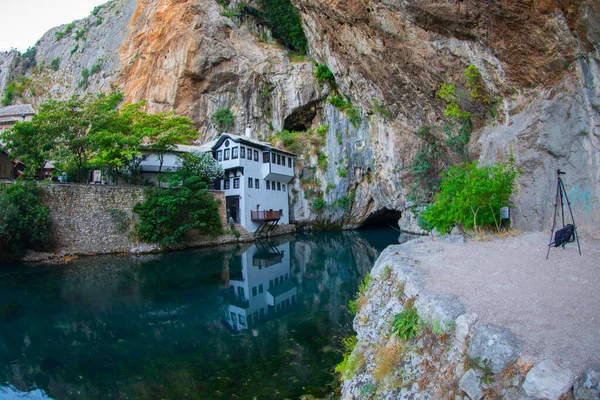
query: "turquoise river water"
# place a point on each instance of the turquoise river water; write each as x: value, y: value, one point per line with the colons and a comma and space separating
x: 261, y: 320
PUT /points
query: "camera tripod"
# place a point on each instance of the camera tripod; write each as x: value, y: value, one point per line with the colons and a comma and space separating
x: 561, y: 197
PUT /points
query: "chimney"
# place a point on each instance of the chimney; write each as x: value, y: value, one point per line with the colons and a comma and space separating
x: 248, y: 133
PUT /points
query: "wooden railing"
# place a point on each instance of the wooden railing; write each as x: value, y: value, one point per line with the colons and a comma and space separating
x: 265, y: 215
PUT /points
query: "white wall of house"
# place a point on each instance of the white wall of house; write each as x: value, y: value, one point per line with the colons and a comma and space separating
x: 265, y: 286
x: 272, y: 177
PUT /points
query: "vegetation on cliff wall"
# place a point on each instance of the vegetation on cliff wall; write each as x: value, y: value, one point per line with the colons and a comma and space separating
x: 24, y: 220
x: 284, y: 20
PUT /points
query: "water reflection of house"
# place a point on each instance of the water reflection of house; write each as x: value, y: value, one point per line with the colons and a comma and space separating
x: 260, y: 284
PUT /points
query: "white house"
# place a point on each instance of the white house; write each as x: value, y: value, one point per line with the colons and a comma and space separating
x: 260, y: 285
x: 256, y: 181
x: 151, y: 162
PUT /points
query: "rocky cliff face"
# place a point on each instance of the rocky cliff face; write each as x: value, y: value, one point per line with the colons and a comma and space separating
x: 538, y: 61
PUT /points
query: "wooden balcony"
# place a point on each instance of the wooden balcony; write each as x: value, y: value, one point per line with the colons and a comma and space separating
x: 261, y: 216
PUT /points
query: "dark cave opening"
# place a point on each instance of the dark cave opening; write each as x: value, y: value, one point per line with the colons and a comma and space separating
x: 301, y: 118
x: 383, y: 218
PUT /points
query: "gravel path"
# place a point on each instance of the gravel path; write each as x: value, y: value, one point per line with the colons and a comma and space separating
x: 552, y: 305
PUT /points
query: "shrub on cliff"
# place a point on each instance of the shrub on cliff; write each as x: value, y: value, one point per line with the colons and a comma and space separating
x: 24, y: 220
x: 472, y: 196
x: 168, y: 214
x: 285, y: 22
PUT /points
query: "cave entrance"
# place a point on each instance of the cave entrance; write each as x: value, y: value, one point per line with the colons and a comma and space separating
x: 301, y: 118
x: 383, y: 218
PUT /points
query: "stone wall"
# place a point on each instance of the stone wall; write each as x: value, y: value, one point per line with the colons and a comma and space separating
x: 95, y: 219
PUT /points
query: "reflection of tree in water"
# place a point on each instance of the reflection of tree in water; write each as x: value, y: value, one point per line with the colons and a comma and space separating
x: 150, y: 327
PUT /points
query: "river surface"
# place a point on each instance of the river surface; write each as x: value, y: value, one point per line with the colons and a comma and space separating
x: 261, y: 320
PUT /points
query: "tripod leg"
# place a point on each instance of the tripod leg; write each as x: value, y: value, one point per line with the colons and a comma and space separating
x: 561, y: 189
x: 572, y: 218
x: 553, y: 219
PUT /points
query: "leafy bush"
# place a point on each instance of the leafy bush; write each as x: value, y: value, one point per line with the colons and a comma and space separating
x: 59, y: 35
x: 55, y: 64
x: 75, y: 48
x: 96, y: 67
x: 97, y: 9
x: 472, y: 196
x: 351, y: 363
x: 345, y: 104
x: 448, y: 92
x: 324, y: 75
x: 24, y: 220
x: 167, y: 214
x: 222, y: 120
x: 341, y: 172
x: 359, y: 300
x: 80, y: 33
x: 318, y: 204
x: 85, y: 74
x: 379, y: 108
x: 476, y: 85
x: 9, y: 93
x: 288, y: 139
x: 284, y: 20
x: 407, y: 323
x: 322, y: 161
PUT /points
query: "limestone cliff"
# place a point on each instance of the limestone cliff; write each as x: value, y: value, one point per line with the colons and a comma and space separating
x: 538, y: 60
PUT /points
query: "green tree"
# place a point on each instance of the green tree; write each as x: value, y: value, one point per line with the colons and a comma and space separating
x: 167, y: 214
x: 32, y: 143
x: 24, y: 220
x: 165, y: 131
x: 222, y: 120
x: 472, y: 196
x: 73, y: 122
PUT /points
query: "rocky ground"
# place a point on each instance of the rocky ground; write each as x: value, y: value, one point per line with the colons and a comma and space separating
x: 498, y: 320
x: 552, y: 305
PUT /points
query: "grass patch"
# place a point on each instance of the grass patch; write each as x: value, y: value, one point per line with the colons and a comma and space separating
x: 352, y: 361
x: 407, y: 324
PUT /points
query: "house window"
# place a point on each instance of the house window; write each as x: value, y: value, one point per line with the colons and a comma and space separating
x: 226, y: 155
x: 265, y: 157
x: 273, y: 158
x: 261, y: 312
x: 256, y: 183
x: 268, y: 185
x: 283, y: 160
x: 281, y: 211
x: 290, y: 162
x: 273, y: 186
x: 240, y: 291
x: 254, y: 291
x: 278, y: 185
x: 227, y: 183
x: 249, y: 182
x: 249, y: 154
x: 236, y: 183
x: 260, y: 288
x: 278, y: 159
x: 283, y: 187
x: 242, y: 320
x: 242, y: 152
x: 233, y: 317
x: 255, y: 155
x: 271, y: 284
x: 287, y: 276
x: 219, y: 155
x: 234, y: 153
x: 227, y: 143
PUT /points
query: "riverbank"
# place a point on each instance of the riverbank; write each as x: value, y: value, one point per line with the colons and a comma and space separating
x: 498, y: 319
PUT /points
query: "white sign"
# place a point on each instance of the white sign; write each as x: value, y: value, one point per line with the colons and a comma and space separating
x: 505, y: 213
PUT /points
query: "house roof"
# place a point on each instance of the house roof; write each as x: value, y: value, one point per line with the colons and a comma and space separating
x: 265, y: 146
x: 16, y: 111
